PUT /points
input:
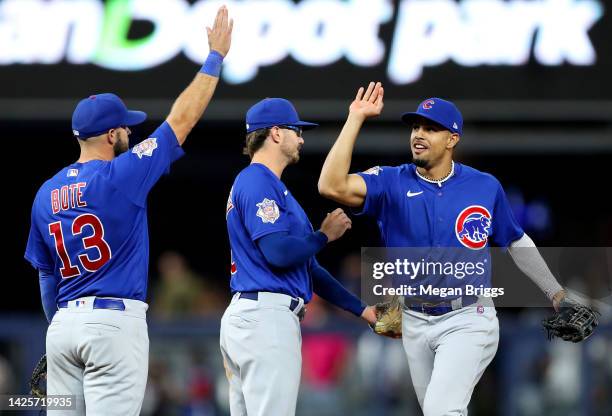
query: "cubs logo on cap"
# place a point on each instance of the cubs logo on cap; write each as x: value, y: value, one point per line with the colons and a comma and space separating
x: 440, y: 111
x: 427, y: 104
x: 472, y: 227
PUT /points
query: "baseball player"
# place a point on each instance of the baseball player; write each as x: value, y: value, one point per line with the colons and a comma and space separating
x: 89, y: 241
x: 273, y: 268
x: 436, y: 202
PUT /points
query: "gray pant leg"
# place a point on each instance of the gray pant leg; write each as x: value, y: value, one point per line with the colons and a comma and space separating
x: 115, y: 350
x: 232, y: 372
x: 64, y: 370
x: 465, y: 343
x: 265, y: 345
x: 419, y: 353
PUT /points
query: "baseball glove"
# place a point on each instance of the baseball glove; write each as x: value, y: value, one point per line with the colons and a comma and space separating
x: 574, y: 322
x: 389, y: 318
x: 38, y: 375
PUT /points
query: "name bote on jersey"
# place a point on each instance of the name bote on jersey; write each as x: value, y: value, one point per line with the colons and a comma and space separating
x: 68, y: 197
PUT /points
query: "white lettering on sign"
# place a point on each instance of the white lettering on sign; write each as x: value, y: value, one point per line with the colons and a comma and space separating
x: 314, y: 33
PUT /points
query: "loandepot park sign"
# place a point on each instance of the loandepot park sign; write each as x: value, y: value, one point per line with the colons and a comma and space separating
x: 314, y: 33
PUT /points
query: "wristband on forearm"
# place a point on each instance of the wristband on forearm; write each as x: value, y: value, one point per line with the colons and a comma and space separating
x: 212, y: 65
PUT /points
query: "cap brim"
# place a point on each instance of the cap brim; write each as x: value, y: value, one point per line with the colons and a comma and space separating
x: 135, y: 117
x: 409, y: 118
x: 305, y: 125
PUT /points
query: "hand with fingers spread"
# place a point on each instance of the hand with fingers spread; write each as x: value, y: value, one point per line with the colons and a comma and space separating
x: 335, y: 225
x: 220, y: 36
x: 368, y: 102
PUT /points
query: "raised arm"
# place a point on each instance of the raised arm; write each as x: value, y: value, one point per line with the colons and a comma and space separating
x: 191, y: 103
x: 335, y: 182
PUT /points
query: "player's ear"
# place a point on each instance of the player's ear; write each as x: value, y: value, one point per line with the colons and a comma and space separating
x: 111, y: 136
x: 453, y: 140
x: 275, y: 133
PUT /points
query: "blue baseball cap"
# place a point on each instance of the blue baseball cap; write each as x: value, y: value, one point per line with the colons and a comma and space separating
x: 271, y: 112
x: 101, y: 112
x: 440, y: 111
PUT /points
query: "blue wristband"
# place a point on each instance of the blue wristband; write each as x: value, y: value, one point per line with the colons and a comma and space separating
x: 212, y: 66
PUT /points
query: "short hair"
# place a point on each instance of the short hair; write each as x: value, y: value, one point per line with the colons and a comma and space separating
x: 254, y: 141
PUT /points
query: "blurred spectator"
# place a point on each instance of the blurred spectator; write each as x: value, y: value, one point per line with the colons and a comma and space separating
x: 201, y: 400
x: 180, y: 292
x: 324, y: 362
x: 188, y: 393
x: 6, y: 376
x: 535, y: 216
x: 384, y: 385
x: 600, y: 391
x: 161, y: 396
x: 350, y: 273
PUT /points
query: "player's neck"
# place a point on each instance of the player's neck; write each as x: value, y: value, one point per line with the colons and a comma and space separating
x: 271, y: 162
x: 95, y: 154
x: 437, y: 172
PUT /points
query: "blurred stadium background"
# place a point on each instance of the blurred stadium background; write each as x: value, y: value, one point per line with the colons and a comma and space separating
x: 531, y: 77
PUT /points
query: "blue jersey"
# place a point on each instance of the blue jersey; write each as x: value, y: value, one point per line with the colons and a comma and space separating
x: 469, y: 211
x: 89, y: 221
x: 260, y: 204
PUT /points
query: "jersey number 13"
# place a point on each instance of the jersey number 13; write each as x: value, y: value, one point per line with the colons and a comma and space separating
x: 96, y: 240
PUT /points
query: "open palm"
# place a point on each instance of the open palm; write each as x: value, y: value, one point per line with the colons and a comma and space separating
x: 220, y: 36
x: 368, y: 103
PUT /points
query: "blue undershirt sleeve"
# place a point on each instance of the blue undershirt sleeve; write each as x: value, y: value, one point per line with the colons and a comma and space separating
x: 48, y: 292
x: 283, y: 250
x: 330, y: 289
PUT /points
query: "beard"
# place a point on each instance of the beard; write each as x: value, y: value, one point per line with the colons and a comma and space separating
x: 421, y: 163
x: 292, y: 156
x: 120, y: 146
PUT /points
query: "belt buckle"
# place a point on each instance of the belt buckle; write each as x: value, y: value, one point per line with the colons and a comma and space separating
x: 427, y: 306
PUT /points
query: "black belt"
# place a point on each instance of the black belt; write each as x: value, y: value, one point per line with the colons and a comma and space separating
x: 437, y: 309
x: 101, y: 303
x: 292, y: 306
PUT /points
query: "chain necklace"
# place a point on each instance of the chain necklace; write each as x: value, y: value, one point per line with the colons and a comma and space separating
x: 438, y: 181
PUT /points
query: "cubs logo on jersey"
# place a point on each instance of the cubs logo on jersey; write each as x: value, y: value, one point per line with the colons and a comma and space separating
x: 473, y: 226
x: 268, y: 211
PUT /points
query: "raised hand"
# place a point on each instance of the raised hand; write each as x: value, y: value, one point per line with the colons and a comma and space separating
x: 368, y: 102
x: 220, y: 36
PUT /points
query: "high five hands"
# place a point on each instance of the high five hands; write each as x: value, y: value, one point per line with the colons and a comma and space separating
x: 368, y: 102
x: 220, y: 36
